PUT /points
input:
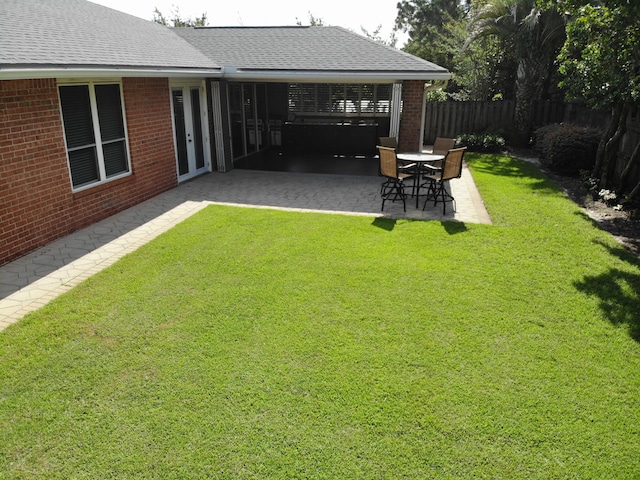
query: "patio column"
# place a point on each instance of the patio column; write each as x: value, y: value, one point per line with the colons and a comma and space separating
x: 411, y: 121
x: 396, y: 109
x: 218, y: 145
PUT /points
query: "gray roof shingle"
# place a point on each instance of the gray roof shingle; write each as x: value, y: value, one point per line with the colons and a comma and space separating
x: 77, y: 33
x: 52, y: 37
x: 301, y: 48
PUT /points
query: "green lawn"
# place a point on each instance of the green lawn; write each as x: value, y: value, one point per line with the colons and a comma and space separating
x: 266, y: 344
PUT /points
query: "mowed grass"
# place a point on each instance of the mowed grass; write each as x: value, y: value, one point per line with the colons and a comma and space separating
x: 266, y: 344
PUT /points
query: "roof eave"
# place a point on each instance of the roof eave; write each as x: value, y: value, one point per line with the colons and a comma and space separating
x: 230, y: 73
x: 23, y: 73
x: 226, y: 73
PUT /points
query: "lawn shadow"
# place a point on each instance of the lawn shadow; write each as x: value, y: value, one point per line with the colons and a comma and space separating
x: 384, y: 223
x: 388, y: 224
x: 453, y: 228
x: 618, y: 291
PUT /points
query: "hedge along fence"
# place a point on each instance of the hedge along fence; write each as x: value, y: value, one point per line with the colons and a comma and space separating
x: 450, y: 119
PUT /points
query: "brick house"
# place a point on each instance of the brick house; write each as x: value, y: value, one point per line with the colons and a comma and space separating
x: 100, y: 110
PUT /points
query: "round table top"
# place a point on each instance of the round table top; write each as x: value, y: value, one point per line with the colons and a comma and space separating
x: 419, y: 157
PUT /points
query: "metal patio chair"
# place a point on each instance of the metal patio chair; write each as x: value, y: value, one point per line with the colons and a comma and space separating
x: 393, y: 187
x: 435, y: 181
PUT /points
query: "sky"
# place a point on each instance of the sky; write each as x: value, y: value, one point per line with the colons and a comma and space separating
x: 351, y: 14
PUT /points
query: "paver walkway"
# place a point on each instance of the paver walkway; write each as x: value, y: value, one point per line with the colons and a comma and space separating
x: 33, y: 280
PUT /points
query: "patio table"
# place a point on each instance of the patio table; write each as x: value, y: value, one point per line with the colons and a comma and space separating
x: 422, y: 160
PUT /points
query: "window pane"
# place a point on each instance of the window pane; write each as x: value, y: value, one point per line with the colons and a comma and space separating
x: 84, y: 166
x: 295, y: 98
x: 367, y: 99
x: 109, y: 112
x: 115, y: 158
x: 309, y: 98
x: 76, y: 114
x: 337, y: 98
x: 324, y: 98
x: 383, y: 99
x: 353, y: 99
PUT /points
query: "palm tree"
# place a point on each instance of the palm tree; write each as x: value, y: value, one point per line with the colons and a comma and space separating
x: 535, y: 36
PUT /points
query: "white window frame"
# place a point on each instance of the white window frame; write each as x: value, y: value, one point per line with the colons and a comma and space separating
x: 96, y: 131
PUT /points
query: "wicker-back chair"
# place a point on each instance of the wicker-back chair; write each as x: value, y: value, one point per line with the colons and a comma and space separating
x: 442, y: 145
x: 393, y: 187
x: 404, y: 167
x: 391, y: 142
x: 451, y: 168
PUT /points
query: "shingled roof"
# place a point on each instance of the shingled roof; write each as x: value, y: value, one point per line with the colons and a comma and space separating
x: 53, y: 36
x: 74, y: 38
x: 316, y: 51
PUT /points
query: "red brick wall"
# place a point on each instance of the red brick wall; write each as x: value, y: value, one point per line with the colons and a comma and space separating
x: 410, y: 122
x: 36, y: 201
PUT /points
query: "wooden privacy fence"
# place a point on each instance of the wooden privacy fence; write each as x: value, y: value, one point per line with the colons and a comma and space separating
x: 450, y: 119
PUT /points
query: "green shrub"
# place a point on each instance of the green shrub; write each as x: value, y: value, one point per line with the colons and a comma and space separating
x: 481, y: 142
x: 567, y: 148
x: 438, y: 95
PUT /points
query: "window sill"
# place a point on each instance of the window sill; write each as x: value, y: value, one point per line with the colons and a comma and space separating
x: 103, y: 186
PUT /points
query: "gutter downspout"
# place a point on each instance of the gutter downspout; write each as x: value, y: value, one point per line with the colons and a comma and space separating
x: 427, y: 88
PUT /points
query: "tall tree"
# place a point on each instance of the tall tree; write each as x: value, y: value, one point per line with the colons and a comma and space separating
x: 600, y: 63
x: 375, y: 36
x: 313, y: 21
x: 176, y: 19
x: 482, y: 70
x: 535, y: 36
x: 425, y: 21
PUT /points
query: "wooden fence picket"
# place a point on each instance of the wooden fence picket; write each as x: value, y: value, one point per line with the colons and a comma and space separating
x: 450, y: 119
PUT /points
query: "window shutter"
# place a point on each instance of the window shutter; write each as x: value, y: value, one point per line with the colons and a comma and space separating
x: 76, y: 110
x: 109, y: 112
x: 111, y: 123
x: 84, y: 166
x: 115, y: 158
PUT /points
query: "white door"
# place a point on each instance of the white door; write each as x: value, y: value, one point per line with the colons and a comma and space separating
x: 191, y: 130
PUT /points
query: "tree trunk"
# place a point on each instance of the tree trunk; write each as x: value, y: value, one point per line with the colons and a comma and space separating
x: 525, y: 98
x: 611, y: 149
x: 616, y: 111
x: 634, y: 193
x: 624, y: 176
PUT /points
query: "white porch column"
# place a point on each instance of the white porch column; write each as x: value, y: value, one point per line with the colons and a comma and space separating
x: 396, y: 109
x: 218, y: 131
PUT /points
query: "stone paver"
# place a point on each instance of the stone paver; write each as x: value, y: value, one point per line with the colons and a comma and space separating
x: 35, y: 279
